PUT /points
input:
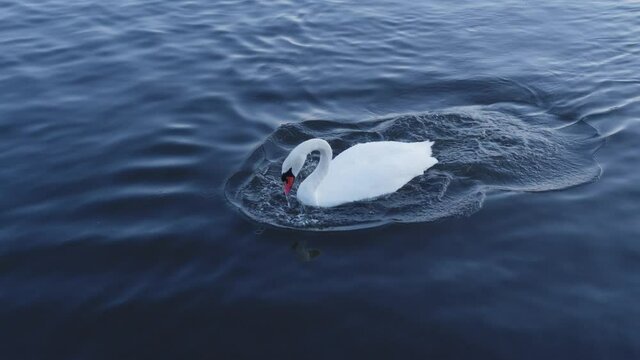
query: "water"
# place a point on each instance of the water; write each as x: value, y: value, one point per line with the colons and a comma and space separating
x: 480, y: 150
x: 127, y: 128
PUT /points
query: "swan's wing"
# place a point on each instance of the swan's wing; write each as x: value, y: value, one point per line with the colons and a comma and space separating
x: 373, y: 169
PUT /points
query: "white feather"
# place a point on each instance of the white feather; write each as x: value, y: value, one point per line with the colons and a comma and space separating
x: 364, y: 171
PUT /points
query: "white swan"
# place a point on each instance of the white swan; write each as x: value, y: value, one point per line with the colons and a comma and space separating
x: 363, y: 171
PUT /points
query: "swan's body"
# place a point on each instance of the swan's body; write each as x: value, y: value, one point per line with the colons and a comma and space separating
x: 363, y: 171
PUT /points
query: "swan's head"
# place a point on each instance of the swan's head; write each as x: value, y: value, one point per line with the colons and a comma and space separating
x: 291, y: 167
x: 287, y: 181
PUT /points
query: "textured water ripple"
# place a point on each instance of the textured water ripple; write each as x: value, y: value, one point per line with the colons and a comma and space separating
x: 479, y: 148
x: 121, y: 121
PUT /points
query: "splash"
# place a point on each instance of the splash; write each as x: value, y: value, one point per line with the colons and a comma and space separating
x: 481, y: 149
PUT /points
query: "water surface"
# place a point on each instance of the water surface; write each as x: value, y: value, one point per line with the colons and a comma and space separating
x: 125, y: 125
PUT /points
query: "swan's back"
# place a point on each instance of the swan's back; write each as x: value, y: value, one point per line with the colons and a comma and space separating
x: 373, y: 169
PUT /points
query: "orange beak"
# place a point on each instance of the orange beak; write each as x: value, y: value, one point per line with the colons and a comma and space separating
x: 288, y: 184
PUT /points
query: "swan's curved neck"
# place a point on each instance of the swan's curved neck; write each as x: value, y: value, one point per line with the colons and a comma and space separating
x: 326, y: 154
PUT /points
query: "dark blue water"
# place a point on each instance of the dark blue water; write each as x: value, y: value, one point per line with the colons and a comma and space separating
x: 128, y: 131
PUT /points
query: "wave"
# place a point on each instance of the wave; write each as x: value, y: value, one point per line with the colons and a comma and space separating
x: 499, y: 147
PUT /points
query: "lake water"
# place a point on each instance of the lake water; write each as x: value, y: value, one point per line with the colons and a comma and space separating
x: 139, y: 217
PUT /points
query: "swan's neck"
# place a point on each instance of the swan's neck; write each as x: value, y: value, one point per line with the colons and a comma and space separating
x: 319, y: 173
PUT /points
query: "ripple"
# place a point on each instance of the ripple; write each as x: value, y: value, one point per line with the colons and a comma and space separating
x: 480, y: 148
x: 165, y: 172
x: 174, y: 147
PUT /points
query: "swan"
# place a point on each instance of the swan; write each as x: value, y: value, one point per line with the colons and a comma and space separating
x: 361, y: 172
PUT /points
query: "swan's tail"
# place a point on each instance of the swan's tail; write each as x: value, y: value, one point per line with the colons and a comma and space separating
x: 428, y: 144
